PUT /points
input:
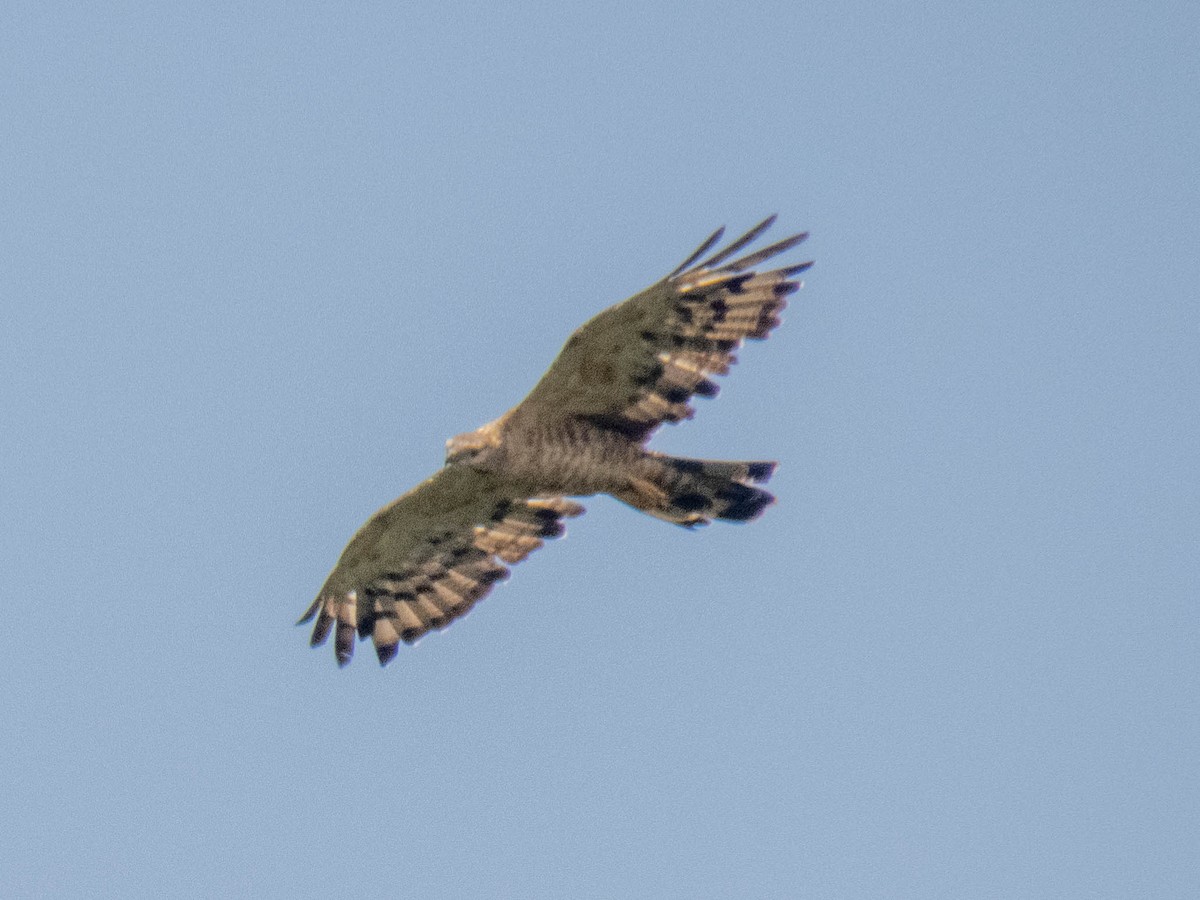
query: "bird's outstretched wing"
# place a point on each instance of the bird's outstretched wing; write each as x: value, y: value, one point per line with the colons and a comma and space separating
x: 639, y: 363
x: 425, y: 559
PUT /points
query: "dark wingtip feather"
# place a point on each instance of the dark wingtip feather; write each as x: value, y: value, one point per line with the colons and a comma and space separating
x: 797, y: 269
x: 758, y: 256
x: 321, y: 630
x: 699, y: 251
x: 343, y: 643
x: 310, y: 612
x: 552, y: 529
x: 748, y: 238
x: 386, y: 652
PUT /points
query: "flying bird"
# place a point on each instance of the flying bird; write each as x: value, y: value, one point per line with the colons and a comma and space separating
x: 425, y: 559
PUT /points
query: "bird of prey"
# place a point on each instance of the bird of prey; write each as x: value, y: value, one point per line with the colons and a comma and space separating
x: 425, y: 559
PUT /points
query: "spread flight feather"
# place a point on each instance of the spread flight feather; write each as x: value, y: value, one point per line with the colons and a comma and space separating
x: 425, y: 559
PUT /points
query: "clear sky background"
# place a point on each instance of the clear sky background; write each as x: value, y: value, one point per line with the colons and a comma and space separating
x: 257, y: 262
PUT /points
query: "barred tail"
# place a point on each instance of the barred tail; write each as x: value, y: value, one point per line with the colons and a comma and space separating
x: 693, y: 492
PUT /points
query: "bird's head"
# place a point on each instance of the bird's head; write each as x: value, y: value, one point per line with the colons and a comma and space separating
x: 475, y: 448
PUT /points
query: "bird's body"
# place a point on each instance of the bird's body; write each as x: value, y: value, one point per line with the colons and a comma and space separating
x: 550, y: 457
x: 425, y: 559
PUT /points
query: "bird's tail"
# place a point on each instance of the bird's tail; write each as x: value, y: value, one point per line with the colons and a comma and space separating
x: 693, y: 492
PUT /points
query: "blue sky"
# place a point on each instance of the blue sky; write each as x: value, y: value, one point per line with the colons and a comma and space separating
x: 258, y: 263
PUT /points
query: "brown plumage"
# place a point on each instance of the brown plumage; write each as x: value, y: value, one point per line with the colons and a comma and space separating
x: 428, y: 557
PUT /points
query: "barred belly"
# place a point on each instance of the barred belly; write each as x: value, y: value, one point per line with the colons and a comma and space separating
x: 572, y: 457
